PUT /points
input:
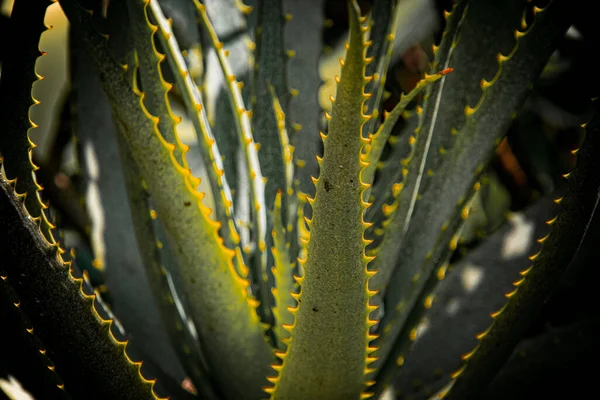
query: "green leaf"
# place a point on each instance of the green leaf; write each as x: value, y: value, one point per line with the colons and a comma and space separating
x: 18, y: 77
x: 388, y: 177
x: 328, y: 355
x: 461, y: 304
x: 270, y: 71
x: 383, y: 21
x: 270, y: 76
x: 91, y: 360
x: 23, y: 356
x: 228, y: 326
x: 285, y: 286
x: 156, y: 89
x: 229, y: 21
x: 432, y: 235
x: 113, y: 231
x: 222, y: 198
x: 252, y: 164
x: 548, y: 265
x: 186, y: 347
x: 303, y: 36
x: 382, y: 135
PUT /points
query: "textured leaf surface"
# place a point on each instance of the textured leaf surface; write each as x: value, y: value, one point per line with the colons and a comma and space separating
x: 22, y: 355
x: 270, y: 71
x: 184, y: 343
x: 18, y: 77
x: 156, y: 89
x: 463, y: 301
x: 328, y: 354
x: 222, y: 198
x: 383, y: 21
x: 285, y: 285
x: 236, y: 347
x: 79, y: 342
x: 253, y: 169
x: 303, y: 36
x: 536, y: 282
x: 431, y: 235
x: 382, y: 135
x: 113, y: 235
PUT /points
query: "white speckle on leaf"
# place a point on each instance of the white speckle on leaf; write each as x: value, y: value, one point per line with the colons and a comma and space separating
x: 453, y: 306
x: 471, y: 277
x: 518, y: 241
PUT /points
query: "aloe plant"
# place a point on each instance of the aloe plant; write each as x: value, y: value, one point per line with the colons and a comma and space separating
x: 275, y: 276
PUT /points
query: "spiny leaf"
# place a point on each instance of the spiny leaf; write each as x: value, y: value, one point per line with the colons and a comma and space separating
x: 23, y: 356
x: 432, y: 234
x: 257, y: 184
x: 113, y: 232
x: 91, y: 360
x: 186, y: 347
x: 388, y: 177
x: 156, y: 89
x: 270, y: 76
x: 18, y: 77
x: 380, y: 138
x: 383, y: 25
x: 329, y: 352
x: 270, y: 72
x: 229, y: 21
x: 223, y: 202
x: 462, y: 302
x: 536, y: 282
x: 210, y: 282
x: 412, y: 174
x: 303, y: 37
x: 285, y: 286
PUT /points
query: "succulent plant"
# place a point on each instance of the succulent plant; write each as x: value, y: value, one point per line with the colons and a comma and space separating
x: 302, y: 263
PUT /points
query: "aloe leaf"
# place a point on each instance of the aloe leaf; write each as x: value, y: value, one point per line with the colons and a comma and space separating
x: 181, y: 12
x: 270, y: 76
x: 222, y: 198
x: 252, y: 164
x: 462, y: 303
x: 428, y: 244
x: 229, y: 19
x: 287, y: 155
x: 381, y: 137
x: 412, y: 172
x: 112, y: 231
x: 285, y: 285
x: 270, y: 72
x: 91, y: 360
x: 382, y: 21
x: 328, y: 355
x: 23, y: 356
x: 388, y: 177
x: 235, y: 342
x: 303, y: 43
x: 156, y: 89
x: 183, y: 342
x: 537, y: 282
x: 303, y: 36
x: 18, y: 77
